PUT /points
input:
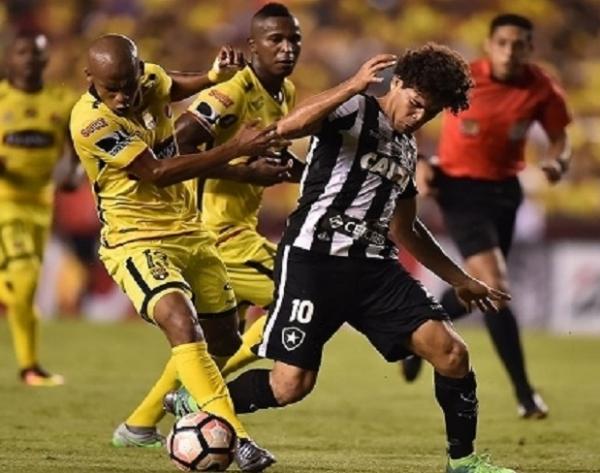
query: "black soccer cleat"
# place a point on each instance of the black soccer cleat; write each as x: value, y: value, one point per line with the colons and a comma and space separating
x: 251, y: 457
x: 411, y: 367
x: 533, y: 407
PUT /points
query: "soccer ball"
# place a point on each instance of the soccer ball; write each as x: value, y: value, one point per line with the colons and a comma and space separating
x: 201, y: 442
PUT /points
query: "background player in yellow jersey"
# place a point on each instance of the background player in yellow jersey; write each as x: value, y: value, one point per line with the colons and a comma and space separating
x: 153, y: 244
x: 231, y: 197
x: 33, y: 136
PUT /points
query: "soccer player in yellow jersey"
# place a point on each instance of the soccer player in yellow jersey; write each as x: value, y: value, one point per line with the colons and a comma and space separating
x: 33, y: 136
x: 231, y: 197
x: 152, y: 241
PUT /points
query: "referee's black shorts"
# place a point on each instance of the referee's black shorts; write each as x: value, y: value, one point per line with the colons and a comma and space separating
x: 479, y: 214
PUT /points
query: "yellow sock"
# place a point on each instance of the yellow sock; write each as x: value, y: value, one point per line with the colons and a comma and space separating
x: 21, y: 313
x: 150, y: 411
x: 200, y: 375
x: 244, y: 356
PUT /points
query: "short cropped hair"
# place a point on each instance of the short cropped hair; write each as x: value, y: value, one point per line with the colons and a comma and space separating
x: 438, y: 72
x: 272, y: 9
x: 511, y: 19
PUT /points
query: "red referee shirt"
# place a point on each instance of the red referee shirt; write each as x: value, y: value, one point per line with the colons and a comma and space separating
x: 487, y: 141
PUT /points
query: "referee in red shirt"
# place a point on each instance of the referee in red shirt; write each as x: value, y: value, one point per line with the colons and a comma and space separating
x: 475, y: 181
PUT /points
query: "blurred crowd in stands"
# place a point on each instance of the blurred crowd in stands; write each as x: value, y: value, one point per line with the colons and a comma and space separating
x: 337, y: 36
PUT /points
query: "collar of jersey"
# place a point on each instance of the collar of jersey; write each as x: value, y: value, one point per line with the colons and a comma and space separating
x: 257, y: 83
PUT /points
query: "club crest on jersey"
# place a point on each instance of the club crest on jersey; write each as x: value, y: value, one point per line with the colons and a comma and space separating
x: 115, y: 142
x: 157, y: 264
x: 93, y: 127
x: 292, y: 337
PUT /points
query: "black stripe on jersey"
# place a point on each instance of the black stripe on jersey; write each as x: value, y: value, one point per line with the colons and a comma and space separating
x: 322, y: 162
x: 260, y: 268
x: 356, y: 175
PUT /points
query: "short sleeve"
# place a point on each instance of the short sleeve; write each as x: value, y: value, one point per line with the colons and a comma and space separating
x: 218, y: 107
x: 107, y: 141
x: 159, y: 80
x: 553, y: 114
x: 344, y: 116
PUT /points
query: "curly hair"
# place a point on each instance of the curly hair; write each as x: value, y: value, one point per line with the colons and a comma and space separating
x: 438, y: 72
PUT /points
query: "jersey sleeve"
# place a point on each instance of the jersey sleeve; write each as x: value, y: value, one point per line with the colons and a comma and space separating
x: 159, y: 80
x: 344, y: 116
x: 218, y: 107
x: 553, y: 114
x: 107, y: 141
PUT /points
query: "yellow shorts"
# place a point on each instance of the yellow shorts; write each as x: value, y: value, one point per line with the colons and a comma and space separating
x: 190, y: 264
x: 249, y: 258
x: 21, y: 240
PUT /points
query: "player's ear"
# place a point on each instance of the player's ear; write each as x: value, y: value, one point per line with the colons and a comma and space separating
x: 487, y: 46
x: 251, y: 45
x: 88, y: 76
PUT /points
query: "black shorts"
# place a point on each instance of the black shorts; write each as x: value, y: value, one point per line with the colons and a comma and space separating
x: 315, y: 294
x: 479, y: 215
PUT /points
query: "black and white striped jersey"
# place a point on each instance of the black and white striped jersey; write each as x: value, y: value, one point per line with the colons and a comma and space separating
x: 357, y: 168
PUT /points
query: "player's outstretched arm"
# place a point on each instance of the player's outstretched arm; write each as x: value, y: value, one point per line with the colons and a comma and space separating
x: 190, y: 134
x: 411, y: 234
x: 186, y: 84
x: 68, y: 173
x: 248, y: 141
x: 306, y: 118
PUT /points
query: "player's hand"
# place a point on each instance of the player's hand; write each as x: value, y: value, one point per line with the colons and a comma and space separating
x: 424, y: 176
x: 473, y: 293
x: 267, y: 171
x: 254, y: 141
x: 554, y: 170
x: 367, y: 74
x: 227, y: 63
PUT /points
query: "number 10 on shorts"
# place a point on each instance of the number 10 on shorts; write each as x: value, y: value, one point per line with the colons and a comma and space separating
x: 302, y: 311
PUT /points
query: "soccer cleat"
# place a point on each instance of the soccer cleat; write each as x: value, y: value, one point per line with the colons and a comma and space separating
x: 149, y: 438
x: 180, y: 403
x: 251, y: 457
x: 475, y: 464
x: 533, y: 407
x: 38, y: 377
x: 411, y: 367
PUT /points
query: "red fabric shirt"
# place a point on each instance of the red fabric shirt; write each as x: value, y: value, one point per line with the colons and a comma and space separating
x: 487, y: 141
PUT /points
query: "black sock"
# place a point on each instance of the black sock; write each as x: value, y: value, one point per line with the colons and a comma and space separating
x: 252, y: 391
x: 452, y: 305
x: 458, y: 400
x: 504, y: 330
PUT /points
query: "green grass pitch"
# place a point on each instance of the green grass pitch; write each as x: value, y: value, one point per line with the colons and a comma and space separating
x: 361, y: 418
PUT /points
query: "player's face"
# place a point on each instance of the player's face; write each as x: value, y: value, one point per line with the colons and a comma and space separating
x: 27, y: 57
x: 508, y: 48
x: 407, y: 108
x: 276, y: 45
x: 118, y: 90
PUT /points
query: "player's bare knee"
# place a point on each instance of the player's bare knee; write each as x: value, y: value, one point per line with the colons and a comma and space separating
x: 174, y: 316
x: 292, y: 388
x: 221, y: 333
x: 454, y: 361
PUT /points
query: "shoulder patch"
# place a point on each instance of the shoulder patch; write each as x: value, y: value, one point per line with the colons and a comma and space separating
x: 225, y: 100
x: 227, y: 120
x: 93, y: 127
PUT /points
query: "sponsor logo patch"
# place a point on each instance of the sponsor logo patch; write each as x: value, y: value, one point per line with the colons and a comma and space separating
x: 221, y: 97
x: 29, y: 139
x: 114, y: 143
x: 93, y: 127
x: 207, y: 112
x: 227, y: 120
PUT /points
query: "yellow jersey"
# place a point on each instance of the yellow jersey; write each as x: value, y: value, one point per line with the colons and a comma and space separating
x: 221, y: 109
x: 129, y: 209
x: 33, y: 128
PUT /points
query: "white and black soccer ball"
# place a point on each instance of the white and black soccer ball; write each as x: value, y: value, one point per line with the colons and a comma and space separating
x: 201, y: 442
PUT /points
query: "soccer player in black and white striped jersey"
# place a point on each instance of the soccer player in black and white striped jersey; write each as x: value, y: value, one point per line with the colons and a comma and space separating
x: 337, y: 260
